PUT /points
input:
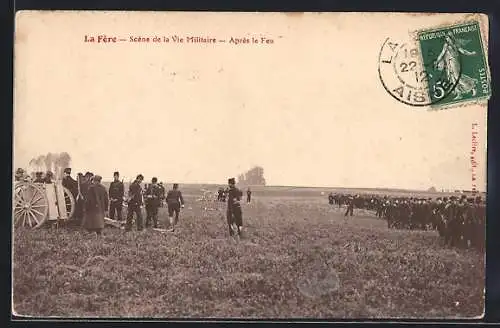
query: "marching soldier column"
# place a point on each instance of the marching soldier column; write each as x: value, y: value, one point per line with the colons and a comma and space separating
x: 460, y: 221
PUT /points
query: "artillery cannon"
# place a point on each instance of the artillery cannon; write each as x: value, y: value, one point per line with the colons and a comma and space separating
x: 38, y: 203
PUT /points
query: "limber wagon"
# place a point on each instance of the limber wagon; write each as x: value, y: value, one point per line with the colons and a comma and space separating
x: 38, y: 203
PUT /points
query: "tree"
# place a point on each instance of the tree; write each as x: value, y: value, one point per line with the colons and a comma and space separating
x: 63, y: 160
x: 254, y: 177
x: 48, y: 162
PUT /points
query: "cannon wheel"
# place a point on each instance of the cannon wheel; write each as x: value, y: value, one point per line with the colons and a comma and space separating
x: 69, y: 200
x: 31, y: 205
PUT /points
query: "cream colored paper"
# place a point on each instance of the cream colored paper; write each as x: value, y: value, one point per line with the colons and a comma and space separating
x: 305, y: 102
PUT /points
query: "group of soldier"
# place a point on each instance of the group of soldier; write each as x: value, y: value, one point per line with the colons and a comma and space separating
x: 222, y: 194
x: 460, y: 221
x: 112, y: 200
x: 94, y: 202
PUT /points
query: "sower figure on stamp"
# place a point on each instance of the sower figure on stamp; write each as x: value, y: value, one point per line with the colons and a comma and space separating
x: 152, y: 198
x: 96, y: 206
x: 234, y: 213
x: 116, y: 192
x: 134, y: 204
x: 174, y: 203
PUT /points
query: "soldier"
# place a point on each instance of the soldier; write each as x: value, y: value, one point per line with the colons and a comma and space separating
x: 19, y: 175
x: 220, y: 195
x: 350, y: 206
x: 234, y: 213
x: 152, y: 196
x: 38, y: 177
x: 96, y: 206
x: 116, y: 193
x: 174, y: 202
x: 478, y: 236
x: 330, y: 199
x: 48, y: 177
x: 134, y: 201
x: 69, y: 182
x: 249, y: 195
x: 162, y: 193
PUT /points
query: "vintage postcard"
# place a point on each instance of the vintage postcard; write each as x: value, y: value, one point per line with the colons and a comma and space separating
x: 212, y: 165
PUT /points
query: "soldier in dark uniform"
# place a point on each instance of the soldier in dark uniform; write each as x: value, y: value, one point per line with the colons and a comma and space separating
x: 116, y: 193
x: 38, y: 177
x: 220, y: 195
x: 249, y: 195
x: 152, y: 198
x: 478, y: 236
x: 234, y: 213
x: 69, y: 182
x: 350, y: 206
x: 48, y: 177
x: 134, y: 204
x: 330, y: 199
x: 175, y: 202
x: 162, y: 193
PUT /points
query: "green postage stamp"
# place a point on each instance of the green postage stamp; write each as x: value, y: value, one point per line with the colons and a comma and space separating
x: 455, y: 64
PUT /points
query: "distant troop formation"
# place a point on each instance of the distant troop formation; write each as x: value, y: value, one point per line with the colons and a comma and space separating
x: 94, y: 201
x: 460, y: 221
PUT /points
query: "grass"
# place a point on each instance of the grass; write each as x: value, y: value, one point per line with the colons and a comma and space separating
x: 298, y: 258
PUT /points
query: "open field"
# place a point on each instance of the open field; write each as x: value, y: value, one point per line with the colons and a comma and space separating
x: 298, y: 258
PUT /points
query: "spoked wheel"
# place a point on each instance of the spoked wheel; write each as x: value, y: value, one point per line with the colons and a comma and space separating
x: 31, y: 205
x: 69, y: 200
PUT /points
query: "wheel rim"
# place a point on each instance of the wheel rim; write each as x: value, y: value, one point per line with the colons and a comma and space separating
x: 31, y: 206
x: 69, y: 200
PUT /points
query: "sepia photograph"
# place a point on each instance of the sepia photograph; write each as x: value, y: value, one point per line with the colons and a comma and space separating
x: 237, y: 165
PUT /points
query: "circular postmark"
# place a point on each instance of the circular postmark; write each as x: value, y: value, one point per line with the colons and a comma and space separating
x: 412, y: 77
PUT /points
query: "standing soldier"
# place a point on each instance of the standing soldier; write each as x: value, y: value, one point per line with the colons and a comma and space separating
x: 38, y: 177
x: 152, y: 196
x: 162, y: 193
x: 249, y: 195
x: 116, y: 192
x: 96, y: 206
x: 70, y: 183
x: 134, y: 203
x: 350, y: 206
x: 330, y: 199
x: 234, y: 213
x: 174, y: 202
x: 48, y: 177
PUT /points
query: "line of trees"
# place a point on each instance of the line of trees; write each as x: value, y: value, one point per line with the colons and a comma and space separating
x: 253, y: 177
x: 53, y: 162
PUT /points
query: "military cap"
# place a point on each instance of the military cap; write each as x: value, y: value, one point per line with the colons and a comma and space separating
x: 67, y: 170
x: 176, y: 185
x: 231, y: 181
x: 38, y: 173
x: 140, y: 176
x: 116, y: 173
x: 154, y: 180
x: 19, y: 171
x: 88, y: 174
x: 97, y: 178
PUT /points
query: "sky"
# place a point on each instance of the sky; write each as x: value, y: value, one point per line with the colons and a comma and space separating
x: 309, y: 108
